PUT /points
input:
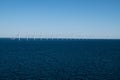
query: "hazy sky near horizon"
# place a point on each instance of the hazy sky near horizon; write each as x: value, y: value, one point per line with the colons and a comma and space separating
x: 85, y: 17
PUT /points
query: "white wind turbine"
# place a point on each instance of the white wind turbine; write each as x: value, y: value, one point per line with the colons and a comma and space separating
x: 34, y: 36
x: 27, y: 37
x: 19, y: 37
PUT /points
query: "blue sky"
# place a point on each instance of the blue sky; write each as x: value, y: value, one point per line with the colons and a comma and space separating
x: 85, y: 17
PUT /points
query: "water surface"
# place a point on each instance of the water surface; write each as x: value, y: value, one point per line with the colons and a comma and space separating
x: 59, y: 59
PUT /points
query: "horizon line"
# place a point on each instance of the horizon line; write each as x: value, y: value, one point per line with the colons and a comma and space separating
x: 46, y: 38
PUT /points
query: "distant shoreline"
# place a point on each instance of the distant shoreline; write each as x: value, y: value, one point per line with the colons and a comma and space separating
x: 58, y: 38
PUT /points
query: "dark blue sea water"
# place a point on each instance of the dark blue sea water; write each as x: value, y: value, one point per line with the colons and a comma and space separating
x: 59, y: 59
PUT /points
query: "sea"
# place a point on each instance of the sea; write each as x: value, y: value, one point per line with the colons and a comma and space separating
x: 60, y: 59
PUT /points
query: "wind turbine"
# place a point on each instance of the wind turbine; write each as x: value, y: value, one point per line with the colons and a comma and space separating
x: 34, y: 36
x: 18, y: 36
x: 27, y: 36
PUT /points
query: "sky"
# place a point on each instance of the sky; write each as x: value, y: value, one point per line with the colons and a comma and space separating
x: 96, y: 18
